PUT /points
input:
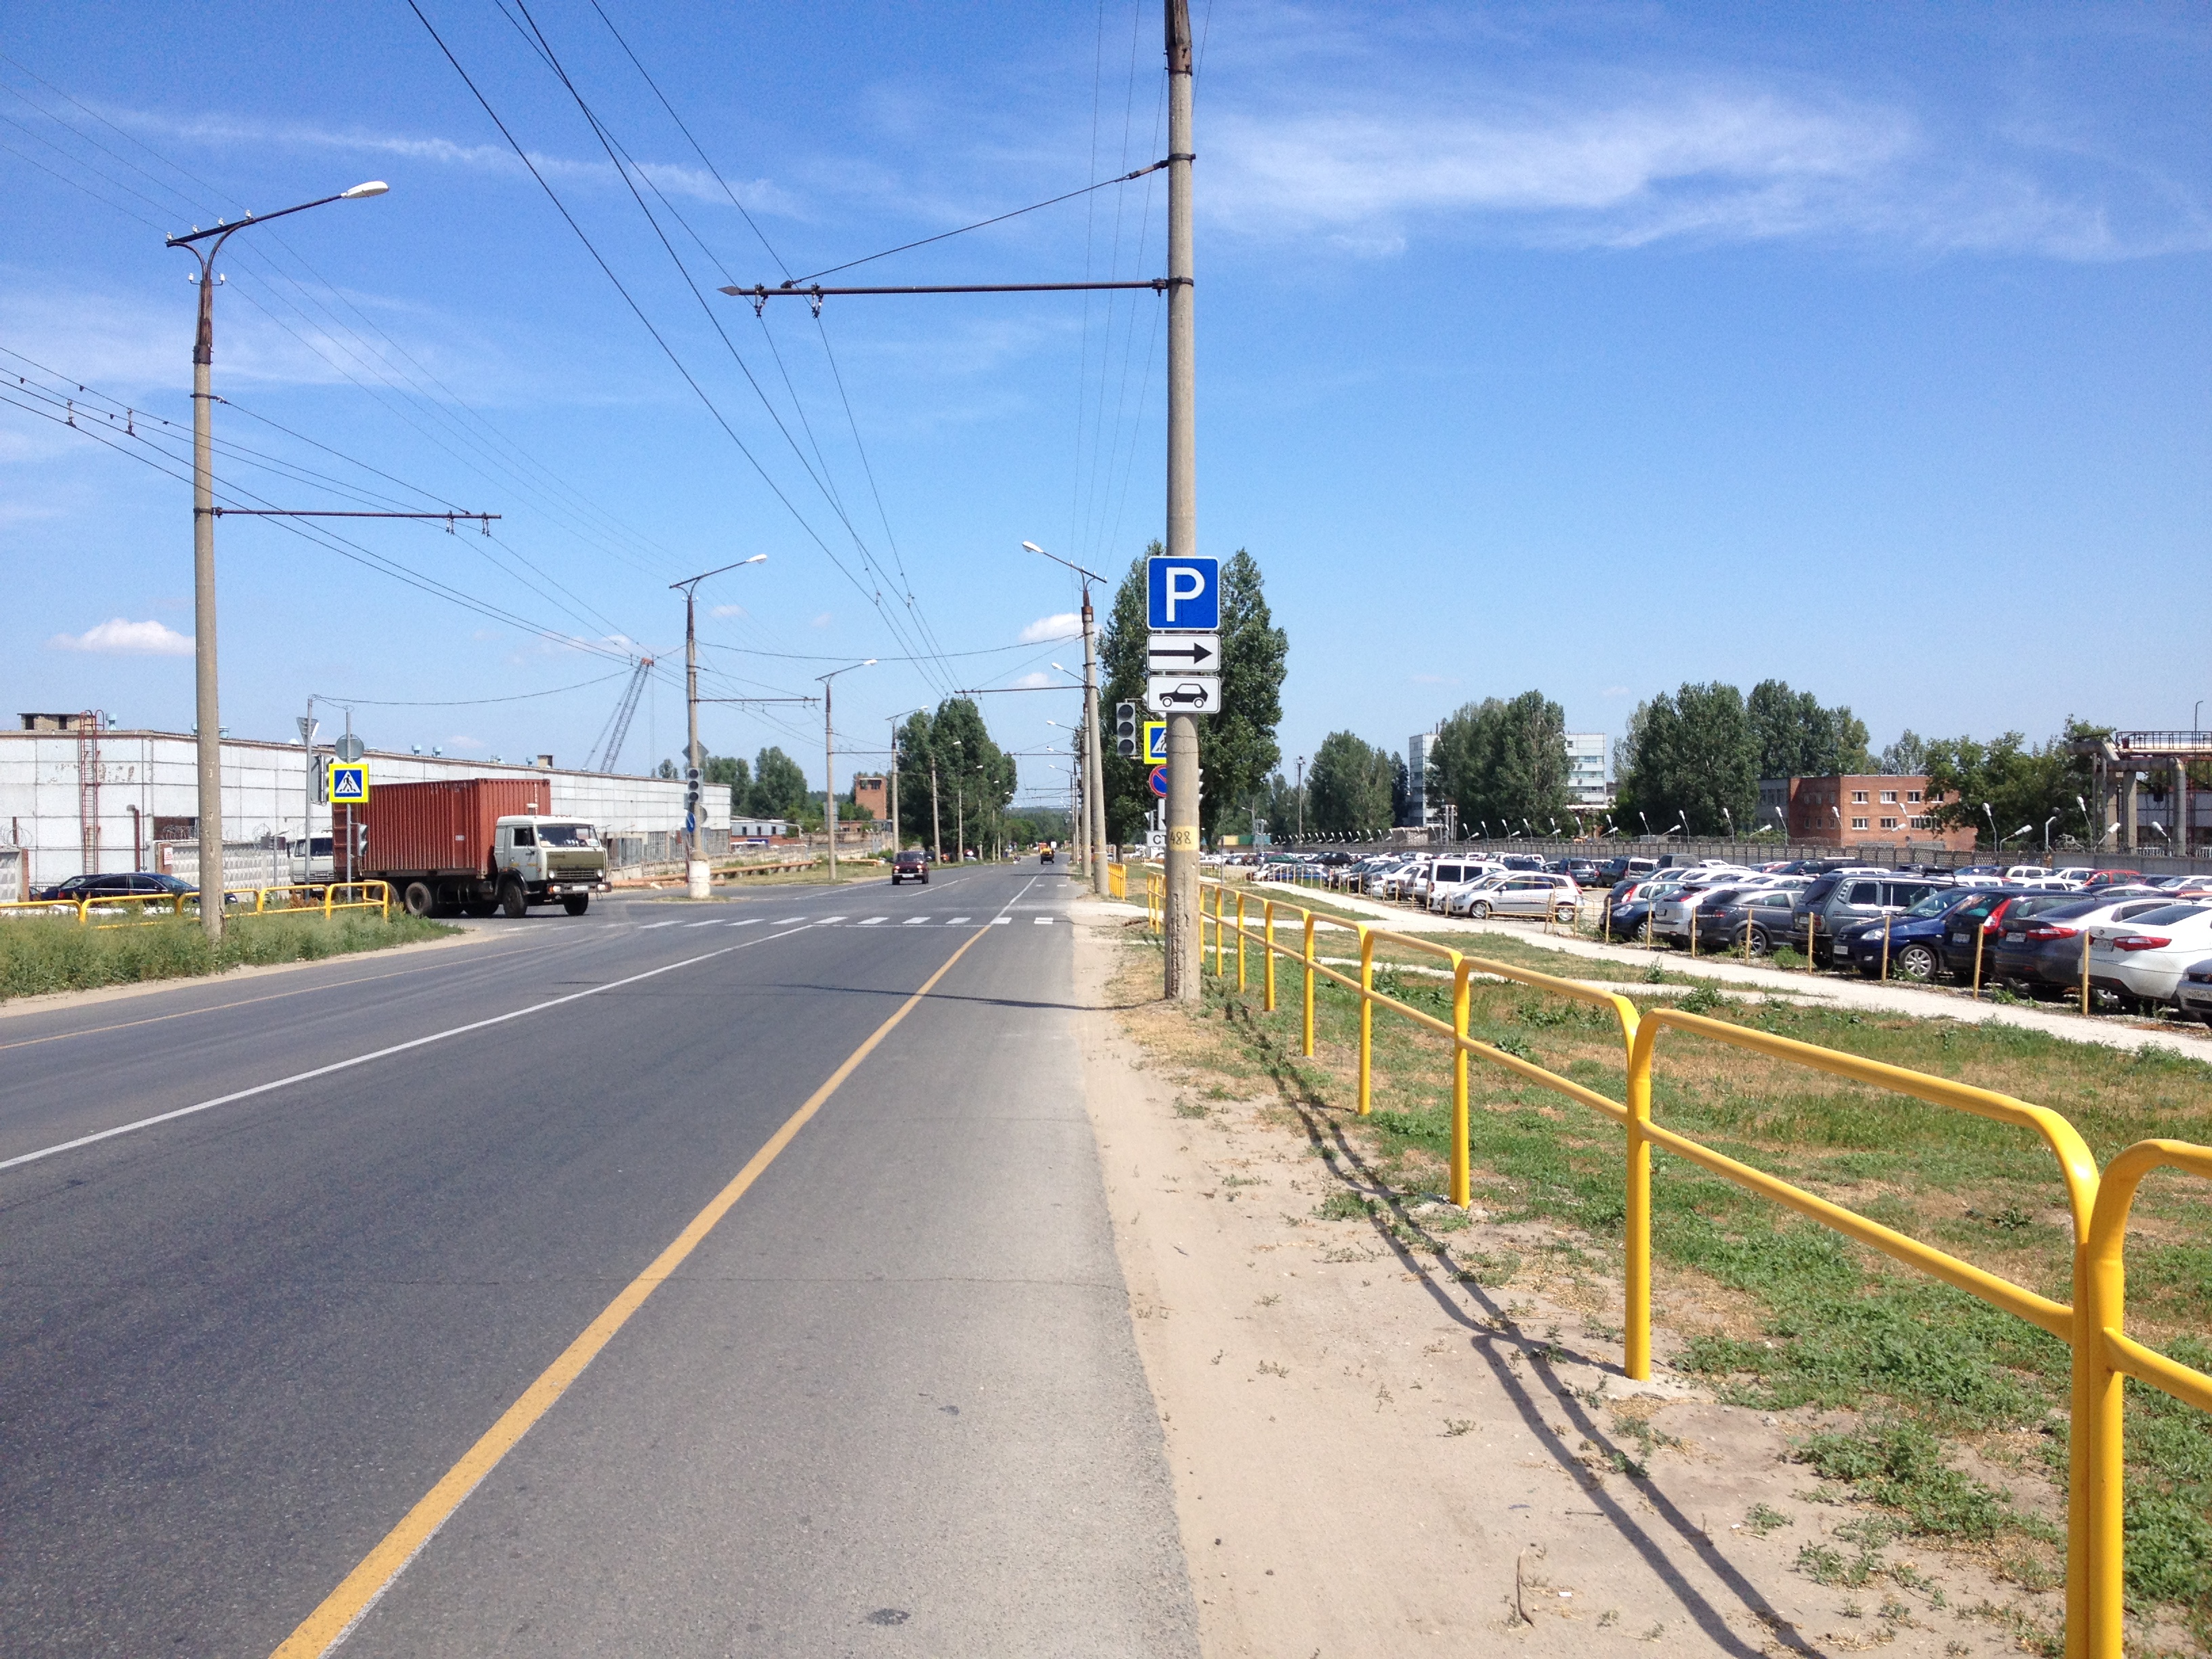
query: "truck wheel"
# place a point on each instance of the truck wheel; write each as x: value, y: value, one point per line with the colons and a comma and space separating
x: 419, y: 898
x: 576, y: 903
x: 511, y: 900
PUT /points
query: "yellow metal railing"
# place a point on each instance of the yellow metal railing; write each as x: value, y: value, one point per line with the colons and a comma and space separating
x: 167, y: 906
x: 2092, y: 1328
x: 1117, y: 881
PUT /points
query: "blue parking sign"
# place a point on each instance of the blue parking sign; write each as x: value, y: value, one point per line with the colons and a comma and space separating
x: 1184, y: 593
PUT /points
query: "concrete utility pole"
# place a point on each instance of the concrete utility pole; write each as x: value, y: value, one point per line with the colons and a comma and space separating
x: 1182, y: 926
x: 829, y: 761
x: 695, y: 874
x: 1095, y: 785
x: 205, y: 701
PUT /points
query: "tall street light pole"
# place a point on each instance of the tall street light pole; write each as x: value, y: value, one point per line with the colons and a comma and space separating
x: 696, y: 884
x: 1182, y: 919
x: 205, y: 702
x: 829, y: 761
x: 1093, y: 838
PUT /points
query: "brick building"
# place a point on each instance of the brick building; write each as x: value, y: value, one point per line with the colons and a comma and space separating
x: 873, y: 791
x: 1858, y: 811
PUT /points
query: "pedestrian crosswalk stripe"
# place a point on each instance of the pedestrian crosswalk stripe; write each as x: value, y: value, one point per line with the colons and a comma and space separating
x: 870, y: 921
x: 955, y: 921
x: 1044, y: 921
x: 1000, y: 921
x: 915, y: 921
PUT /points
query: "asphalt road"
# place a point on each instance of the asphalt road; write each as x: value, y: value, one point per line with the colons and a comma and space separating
x: 890, y: 1403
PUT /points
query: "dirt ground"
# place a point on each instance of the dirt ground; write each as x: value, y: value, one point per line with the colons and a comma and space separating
x: 1376, y: 1453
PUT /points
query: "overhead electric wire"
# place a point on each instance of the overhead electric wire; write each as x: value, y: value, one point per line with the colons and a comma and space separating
x: 234, y: 494
x: 636, y: 310
x: 339, y: 330
x: 624, y: 164
x: 463, y: 702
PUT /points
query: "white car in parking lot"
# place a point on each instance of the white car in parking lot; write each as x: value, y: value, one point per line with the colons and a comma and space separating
x: 1528, y: 893
x: 1452, y: 873
x: 2147, y: 955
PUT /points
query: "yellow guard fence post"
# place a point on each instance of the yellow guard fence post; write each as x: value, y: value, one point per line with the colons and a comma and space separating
x: 1462, y: 1185
x: 1240, y: 939
x: 1366, y: 1019
x: 1268, y: 952
x: 1636, y: 1316
x: 1307, y: 966
x: 2104, y: 1355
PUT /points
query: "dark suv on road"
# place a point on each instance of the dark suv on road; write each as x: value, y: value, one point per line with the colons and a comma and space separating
x: 910, y: 864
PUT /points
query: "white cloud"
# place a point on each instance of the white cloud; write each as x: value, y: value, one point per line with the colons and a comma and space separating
x: 1701, y: 160
x: 1060, y: 626
x: 673, y: 179
x: 727, y: 611
x: 1036, y: 677
x: 121, y: 638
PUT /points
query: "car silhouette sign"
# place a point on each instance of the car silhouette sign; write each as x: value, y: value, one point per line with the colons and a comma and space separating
x: 1183, y: 694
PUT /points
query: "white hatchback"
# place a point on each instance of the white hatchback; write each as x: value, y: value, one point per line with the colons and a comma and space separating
x: 1525, y: 893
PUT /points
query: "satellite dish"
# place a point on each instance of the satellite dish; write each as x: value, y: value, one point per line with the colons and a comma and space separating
x: 350, y: 747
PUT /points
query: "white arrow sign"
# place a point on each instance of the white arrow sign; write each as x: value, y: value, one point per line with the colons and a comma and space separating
x: 1184, y: 654
x: 1183, y: 694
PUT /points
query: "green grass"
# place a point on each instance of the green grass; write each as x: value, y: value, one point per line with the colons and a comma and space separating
x: 41, y: 956
x: 1839, y: 1326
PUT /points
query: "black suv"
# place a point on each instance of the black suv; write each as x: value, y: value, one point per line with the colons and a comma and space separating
x: 910, y: 864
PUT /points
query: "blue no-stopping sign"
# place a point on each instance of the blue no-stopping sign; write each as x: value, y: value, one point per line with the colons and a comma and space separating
x: 1184, y: 593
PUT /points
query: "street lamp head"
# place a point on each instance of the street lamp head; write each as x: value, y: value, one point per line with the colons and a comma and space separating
x: 870, y: 663
x: 373, y: 187
x: 1033, y: 547
x: 757, y: 558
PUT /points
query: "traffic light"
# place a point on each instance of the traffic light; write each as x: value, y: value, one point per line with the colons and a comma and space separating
x: 1125, y: 730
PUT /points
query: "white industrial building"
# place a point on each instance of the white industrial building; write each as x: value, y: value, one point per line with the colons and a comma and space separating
x: 76, y: 797
x: 1586, y: 769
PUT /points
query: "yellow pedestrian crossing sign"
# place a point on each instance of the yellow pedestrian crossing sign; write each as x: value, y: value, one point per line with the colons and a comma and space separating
x: 1156, y: 742
x: 349, y: 783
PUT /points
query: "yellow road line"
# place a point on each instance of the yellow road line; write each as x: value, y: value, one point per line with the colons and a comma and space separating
x: 346, y: 1606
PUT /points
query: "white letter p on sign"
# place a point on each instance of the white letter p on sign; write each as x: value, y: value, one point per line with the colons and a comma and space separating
x: 1184, y: 583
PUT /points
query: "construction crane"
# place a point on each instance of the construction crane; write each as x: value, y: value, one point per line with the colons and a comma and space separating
x: 608, y: 750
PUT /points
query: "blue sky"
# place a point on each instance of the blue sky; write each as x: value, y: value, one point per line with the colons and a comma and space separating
x: 1594, y: 347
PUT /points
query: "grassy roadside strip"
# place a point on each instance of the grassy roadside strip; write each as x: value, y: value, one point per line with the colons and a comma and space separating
x: 1779, y: 1314
x: 39, y: 955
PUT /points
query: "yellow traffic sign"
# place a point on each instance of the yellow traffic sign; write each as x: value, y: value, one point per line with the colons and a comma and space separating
x: 349, y: 783
x: 1156, y: 742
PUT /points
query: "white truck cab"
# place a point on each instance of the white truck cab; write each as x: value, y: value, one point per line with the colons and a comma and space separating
x: 542, y: 861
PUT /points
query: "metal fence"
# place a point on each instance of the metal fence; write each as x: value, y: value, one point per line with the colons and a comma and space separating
x: 2093, y: 1327
x: 1765, y: 849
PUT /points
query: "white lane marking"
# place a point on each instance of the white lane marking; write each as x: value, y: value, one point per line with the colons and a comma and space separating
x: 1017, y: 899
x: 747, y: 922
x: 650, y: 926
x: 711, y: 921
x: 1044, y: 921
x: 870, y: 921
x: 378, y: 1053
x: 915, y: 921
x: 791, y: 921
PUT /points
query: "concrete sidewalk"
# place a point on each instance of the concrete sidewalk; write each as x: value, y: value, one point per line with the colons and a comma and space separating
x: 1921, y: 1001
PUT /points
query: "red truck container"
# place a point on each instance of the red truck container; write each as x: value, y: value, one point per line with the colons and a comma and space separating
x: 441, y: 847
x: 443, y: 827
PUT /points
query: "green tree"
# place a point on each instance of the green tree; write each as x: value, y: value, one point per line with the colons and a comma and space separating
x: 1236, y: 746
x: 1907, y: 757
x: 1692, y: 756
x: 732, y: 770
x: 1797, y: 738
x: 1348, y: 789
x: 779, y: 789
x: 2004, y: 787
x: 974, y: 777
x: 1503, y: 763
